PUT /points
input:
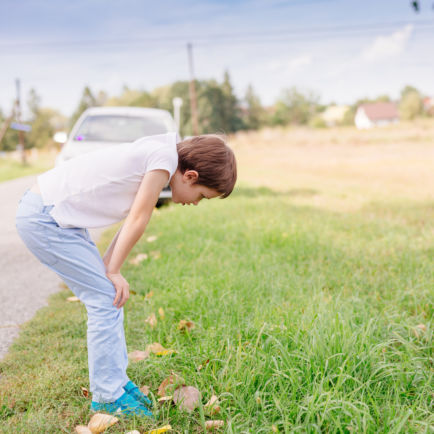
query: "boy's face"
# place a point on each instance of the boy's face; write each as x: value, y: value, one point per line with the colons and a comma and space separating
x: 183, y: 190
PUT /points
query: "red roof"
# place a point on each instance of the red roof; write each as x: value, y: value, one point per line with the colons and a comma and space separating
x: 380, y: 110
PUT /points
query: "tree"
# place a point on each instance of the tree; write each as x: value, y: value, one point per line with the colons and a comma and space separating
x: 231, y: 116
x: 44, y: 122
x: 411, y: 104
x: 295, y: 107
x: 254, y: 116
x: 87, y: 100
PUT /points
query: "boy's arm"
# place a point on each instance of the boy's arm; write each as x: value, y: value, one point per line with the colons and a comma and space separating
x: 109, y: 251
x: 138, y: 218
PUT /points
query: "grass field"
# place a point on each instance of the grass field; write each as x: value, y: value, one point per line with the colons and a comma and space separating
x: 311, y: 288
x: 11, y: 168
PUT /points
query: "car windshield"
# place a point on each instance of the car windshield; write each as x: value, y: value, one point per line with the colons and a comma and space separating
x: 115, y: 128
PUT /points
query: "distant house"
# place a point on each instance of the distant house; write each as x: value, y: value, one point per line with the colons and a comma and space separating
x: 376, y: 114
x: 428, y: 105
x: 334, y: 114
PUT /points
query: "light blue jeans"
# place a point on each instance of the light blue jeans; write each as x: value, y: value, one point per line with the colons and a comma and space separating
x: 72, y: 254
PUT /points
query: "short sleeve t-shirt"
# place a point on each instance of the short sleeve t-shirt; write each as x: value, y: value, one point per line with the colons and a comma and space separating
x: 98, y: 188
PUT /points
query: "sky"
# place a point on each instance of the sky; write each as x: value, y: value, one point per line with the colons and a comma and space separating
x: 341, y: 50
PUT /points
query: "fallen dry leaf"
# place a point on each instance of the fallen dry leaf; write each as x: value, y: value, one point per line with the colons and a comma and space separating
x: 212, y: 405
x: 161, y: 312
x: 185, y: 325
x: 73, y: 298
x: 100, y: 422
x: 419, y: 328
x: 155, y: 254
x: 151, y: 320
x: 203, y: 364
x: 161, y: 430
x: 158, y: 349
x: 151, y: 239
x: 214, y: 424
x: 274, y: 428
x: 169, y: 384
x: 165, y: 398
x: 85, y: 392
x: 137, y: 355
x: 188, y: 398
x: 149, y: 294
x: 133, y: 292
x: 145, y: 390
x: 81, y: 429
x: 139, y: 258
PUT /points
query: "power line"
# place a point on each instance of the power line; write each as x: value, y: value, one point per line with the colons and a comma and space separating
x: 325, y: 31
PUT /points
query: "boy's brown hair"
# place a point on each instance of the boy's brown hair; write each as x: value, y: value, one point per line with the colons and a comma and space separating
x: 212, y: 158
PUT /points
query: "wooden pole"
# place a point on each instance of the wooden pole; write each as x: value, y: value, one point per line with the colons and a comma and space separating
x: 18, y: 117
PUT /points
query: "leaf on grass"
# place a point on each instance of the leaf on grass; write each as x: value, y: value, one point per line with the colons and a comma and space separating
x: 161, y: 430
x: 155, y: 254
x: 139, y: 258
x: 133, y: 292
x: 73, y: 298
x: 419, y: 328
x: 186, y: 325
x: 100, y: 422
x: 158, y: 349
x: 169, y: 384
x: 84, y: 392
x: 165, y: 399
x: 151, y: 320
x: 137, y: 355
x: 161, y: 312
x: 212, y: 406
x: 188, y: 398
x: 203, y: 364
x: 149, y: 294
x: 274, y: 428
x: 151, y: 239
x: 213, y: 424
x: 81, y: 429
x: 145, y: 390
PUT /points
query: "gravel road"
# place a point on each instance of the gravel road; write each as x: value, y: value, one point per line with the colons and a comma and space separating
x: 20, y: 299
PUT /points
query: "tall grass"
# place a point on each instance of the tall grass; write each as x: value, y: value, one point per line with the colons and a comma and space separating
x: 309, y: 319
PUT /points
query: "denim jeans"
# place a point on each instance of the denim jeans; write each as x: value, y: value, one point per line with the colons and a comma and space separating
x: 72, y: 254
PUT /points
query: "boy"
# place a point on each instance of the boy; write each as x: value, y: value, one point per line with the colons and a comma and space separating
x: 98, y: 189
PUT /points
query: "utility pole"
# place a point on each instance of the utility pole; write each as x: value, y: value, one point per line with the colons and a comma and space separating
x: 193, y: 102
x: 20, y: 146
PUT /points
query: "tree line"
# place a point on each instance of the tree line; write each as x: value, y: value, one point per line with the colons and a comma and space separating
x: 219, y: 109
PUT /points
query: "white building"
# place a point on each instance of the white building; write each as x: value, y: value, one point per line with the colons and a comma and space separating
x: 334, y: 114
x: 376, y: 114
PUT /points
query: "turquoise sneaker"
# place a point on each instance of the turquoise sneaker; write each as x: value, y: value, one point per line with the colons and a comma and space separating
x: 137, y: 394
x: 126, y: 405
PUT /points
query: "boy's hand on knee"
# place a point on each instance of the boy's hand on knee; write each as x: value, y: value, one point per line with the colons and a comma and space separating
x: 122, y: 289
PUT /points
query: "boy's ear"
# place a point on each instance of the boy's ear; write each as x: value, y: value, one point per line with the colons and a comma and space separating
x: 191, y: 175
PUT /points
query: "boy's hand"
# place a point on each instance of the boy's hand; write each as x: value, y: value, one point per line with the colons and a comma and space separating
x: 122, y: 289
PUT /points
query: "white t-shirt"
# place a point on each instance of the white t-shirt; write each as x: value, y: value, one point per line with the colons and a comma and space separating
x: 97, y: 189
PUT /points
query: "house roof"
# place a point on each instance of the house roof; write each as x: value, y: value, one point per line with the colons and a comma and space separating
x: 380, y: 110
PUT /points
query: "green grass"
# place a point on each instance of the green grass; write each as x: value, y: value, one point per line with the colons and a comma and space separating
x: 308, y: 319
x: 11, y: 169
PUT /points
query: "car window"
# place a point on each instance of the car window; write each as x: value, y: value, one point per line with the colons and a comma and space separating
x: 116, y: 128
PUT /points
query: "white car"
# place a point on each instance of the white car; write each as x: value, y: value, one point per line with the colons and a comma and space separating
x: 99, y: 127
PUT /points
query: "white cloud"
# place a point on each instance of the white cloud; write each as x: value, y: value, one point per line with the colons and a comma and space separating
x: 388, y: 46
